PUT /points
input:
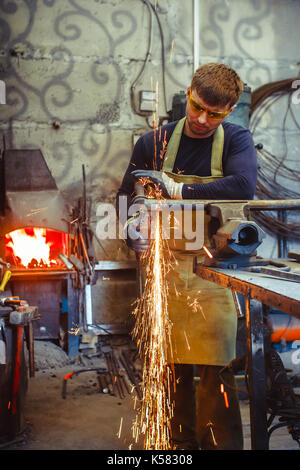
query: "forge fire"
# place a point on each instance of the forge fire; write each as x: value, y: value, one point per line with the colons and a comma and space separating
x: 35, y: 247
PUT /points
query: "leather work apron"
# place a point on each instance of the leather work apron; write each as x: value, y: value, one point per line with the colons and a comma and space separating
x: 203, y: 314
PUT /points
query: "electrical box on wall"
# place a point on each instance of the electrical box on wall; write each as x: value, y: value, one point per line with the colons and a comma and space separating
x: 147, y: 101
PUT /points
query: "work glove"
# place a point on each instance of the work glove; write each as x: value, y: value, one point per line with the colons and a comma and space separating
x: 137, y: 226
x: 169, y: 188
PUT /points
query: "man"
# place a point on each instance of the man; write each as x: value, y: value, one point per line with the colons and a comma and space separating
x: 201, y: 157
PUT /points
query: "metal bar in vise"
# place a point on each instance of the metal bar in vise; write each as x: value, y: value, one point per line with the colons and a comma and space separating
x: 287, y: 204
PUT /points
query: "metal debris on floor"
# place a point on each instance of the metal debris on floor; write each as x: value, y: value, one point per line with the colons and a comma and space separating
x: 120, y: 373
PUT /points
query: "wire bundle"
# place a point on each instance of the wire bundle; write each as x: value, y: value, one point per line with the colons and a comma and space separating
x: 151, y: 10
x: 273, y: 168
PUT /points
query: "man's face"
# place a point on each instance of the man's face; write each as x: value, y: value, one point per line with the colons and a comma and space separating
x: 202, y: 120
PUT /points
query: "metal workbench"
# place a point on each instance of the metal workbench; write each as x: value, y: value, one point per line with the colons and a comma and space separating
x: 258, y: 290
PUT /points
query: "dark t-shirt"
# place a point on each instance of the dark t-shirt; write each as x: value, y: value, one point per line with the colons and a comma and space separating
x: 194, y: 158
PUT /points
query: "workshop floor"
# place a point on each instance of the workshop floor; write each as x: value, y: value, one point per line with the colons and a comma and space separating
x: 89, y: 420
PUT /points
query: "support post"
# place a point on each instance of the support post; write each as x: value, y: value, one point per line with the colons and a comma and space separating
x: 73, y: 318
x: 257, y: 375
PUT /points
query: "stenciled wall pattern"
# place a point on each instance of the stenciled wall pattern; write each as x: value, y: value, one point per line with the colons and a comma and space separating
x: 70, y: 67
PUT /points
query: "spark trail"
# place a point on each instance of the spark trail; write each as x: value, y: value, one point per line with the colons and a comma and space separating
x: 153, y: 335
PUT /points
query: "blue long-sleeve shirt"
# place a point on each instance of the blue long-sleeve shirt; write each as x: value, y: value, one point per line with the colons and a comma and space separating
x: 194, y: 158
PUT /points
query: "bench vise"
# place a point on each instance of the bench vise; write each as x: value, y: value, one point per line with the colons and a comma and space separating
x: 234, y: 238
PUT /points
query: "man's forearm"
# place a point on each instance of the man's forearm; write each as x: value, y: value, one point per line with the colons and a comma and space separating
x: 229, y: 187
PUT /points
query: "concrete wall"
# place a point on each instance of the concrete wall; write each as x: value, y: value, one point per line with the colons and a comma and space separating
x: 69, y: 65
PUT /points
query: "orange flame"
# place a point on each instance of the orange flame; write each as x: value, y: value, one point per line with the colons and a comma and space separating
x: 30, y: 247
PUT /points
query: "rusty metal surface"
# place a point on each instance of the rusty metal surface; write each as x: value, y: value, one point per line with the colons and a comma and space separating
x: 281, y: 294
x: 41, y: 275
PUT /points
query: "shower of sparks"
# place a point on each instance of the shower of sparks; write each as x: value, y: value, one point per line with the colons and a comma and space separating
x: 152, y: 330
x: 153, y: 334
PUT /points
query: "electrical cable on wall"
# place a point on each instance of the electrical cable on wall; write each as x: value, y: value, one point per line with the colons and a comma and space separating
x: 150, y: 8
x: 140, y: 74
x: 163, y: 61
x: 271, y: 166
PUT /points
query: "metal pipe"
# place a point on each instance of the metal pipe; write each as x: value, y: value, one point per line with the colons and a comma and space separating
x: 125, y: 384
x: 288, y: 204
x: 130, y: 374
x: 117, y: 374
x: 133, y: 371
x: 88, y: 304
x: 196, y: 35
